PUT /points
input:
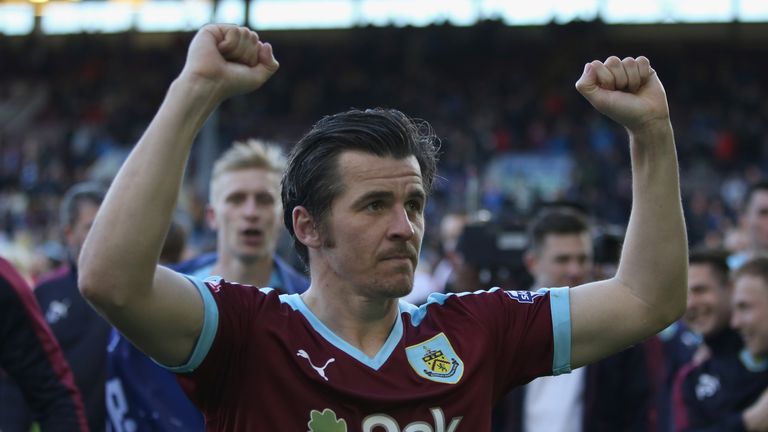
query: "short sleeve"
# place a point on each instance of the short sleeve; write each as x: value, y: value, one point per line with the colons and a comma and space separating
x: 535, y: 334
x: 233, y: 314
x: 208, y: 332
x: 528, y: 333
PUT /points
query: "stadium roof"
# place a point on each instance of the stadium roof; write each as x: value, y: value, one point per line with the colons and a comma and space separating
x: 19, y: 17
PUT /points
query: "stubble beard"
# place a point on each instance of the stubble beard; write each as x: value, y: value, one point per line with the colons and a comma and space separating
x: 386, y: 287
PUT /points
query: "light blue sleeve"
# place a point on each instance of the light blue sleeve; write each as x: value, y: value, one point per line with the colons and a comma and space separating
x: 560, y: 305
x: 207, y: 334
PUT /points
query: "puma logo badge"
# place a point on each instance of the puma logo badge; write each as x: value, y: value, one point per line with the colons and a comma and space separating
x: 320, y: 370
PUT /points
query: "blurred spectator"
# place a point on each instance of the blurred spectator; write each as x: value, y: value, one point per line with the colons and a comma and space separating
x: 754, y: 223
x: 723, y: 393
x: 613, y: 394
x: 80, y: 331
x: 708, y: 314
x: 34, y: 361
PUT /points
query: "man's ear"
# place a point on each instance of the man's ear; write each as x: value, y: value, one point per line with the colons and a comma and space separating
x: 210, y: 218
x: 305, y: 229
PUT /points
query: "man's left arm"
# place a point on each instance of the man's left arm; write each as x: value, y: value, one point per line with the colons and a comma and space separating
x: 649, y: 289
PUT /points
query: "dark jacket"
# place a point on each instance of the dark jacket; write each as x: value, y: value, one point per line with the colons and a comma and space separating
x: 618, y: 397
x: 711, y: 396
x: 82, y: 334
x: 30, y: 355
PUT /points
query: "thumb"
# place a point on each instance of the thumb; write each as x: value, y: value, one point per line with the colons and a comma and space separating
x: 587, y: 84
x: 267, y: 65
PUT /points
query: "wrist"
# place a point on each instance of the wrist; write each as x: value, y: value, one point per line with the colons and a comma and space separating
x: 200, y: 89
x: 651, y: 128
x: 198, y: 98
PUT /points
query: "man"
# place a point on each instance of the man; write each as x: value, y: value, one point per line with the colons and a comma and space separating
x: 754, y: 223
x: 79, y: 330
x: 709, y: 302
x: 30, y: 355
x: 347, y: 354
x: 704, y: 391
x: 746, y: 407
x: 244, y: 209
x: 611, y: 395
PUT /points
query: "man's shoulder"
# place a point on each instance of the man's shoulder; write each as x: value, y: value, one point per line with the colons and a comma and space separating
x: 481, y: 303
x: 192, y: 265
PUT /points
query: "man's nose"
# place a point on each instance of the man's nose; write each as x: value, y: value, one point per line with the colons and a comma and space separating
x: 250, y: 207
x: 401, y: 225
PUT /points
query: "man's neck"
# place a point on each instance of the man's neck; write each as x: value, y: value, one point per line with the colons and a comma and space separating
x: 362, y: 322
x: 256, y: 273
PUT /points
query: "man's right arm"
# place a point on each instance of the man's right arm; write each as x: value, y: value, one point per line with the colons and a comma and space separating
x: 157, y: 309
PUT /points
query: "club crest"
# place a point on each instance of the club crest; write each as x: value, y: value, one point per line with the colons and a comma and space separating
x: 436, y: 360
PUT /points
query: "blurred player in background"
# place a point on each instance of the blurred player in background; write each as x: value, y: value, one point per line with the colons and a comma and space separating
x: 613, y: 394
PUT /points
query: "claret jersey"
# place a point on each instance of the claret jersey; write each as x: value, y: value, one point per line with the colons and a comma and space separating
x: 264, y: 362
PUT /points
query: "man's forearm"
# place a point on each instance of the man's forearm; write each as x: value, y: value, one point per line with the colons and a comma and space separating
x: 122, y: 249
x: 655, y: 258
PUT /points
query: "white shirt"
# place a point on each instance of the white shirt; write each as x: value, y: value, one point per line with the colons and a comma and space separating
x: 555, y: 403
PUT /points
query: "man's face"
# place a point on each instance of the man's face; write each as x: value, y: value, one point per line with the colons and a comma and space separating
x: 756, y: 220
x: 245, y: 212
x: 750, y: 313
x: 562, y: 260
x: 709, y: 301
x: 75, y: 234
x: 372, y: 235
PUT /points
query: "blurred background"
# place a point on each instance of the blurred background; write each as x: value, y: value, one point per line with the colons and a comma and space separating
x: 80, y: 80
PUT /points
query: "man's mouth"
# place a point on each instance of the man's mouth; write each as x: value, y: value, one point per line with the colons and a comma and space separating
x: 251, y: 235
x: 400, y: 258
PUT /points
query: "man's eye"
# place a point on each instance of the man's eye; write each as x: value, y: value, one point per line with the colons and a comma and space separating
x: 374, y: 206
x: 414, y: 206
x: 235, y: 199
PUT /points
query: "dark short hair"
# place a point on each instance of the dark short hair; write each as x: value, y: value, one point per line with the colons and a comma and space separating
x: 312, y: 179
x: 173, y: 246
x: 69, y: 209
x: 716, y: 259
x: 757, y: 267
x: 558, y: 221
x: 761, y: 186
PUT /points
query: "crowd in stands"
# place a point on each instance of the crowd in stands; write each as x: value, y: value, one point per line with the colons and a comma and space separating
x: 71, y: 108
